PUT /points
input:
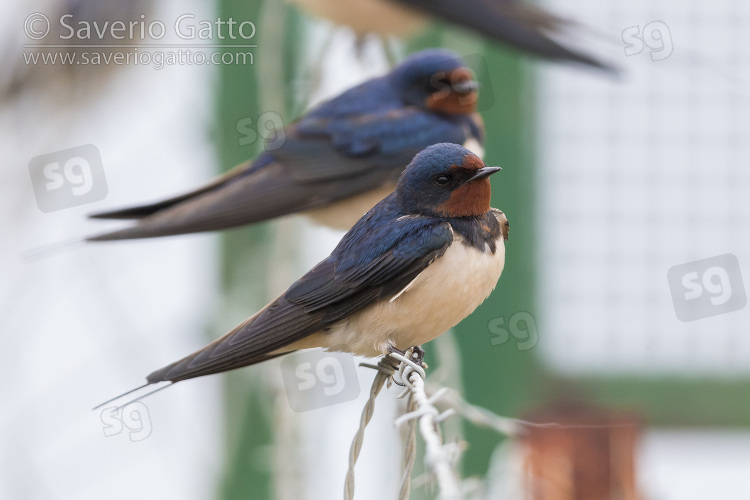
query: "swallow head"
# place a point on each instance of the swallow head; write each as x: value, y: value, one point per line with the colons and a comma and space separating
x: 437, y: 80
x: 445, y: 180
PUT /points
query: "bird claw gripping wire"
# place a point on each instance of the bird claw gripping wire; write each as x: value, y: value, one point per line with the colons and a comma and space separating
x: 411, y: 360
x: 403, y: 376
x: 416, y: 354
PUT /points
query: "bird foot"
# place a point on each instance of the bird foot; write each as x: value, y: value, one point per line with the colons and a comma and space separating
x: 417, y: 354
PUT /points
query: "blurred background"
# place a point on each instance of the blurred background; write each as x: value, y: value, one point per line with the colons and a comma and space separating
x: 622, y: 299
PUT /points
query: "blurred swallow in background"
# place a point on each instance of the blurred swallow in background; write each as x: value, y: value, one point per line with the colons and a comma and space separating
x: 522, y: 26
x: 337, y: 161
x: 414, y: 266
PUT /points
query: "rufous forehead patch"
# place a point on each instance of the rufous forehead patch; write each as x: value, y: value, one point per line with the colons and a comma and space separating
x: 470, y: 162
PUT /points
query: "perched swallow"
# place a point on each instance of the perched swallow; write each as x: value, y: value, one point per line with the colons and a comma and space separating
x: 337, y: 161
x: 525, y: 27
x: 414, y: 266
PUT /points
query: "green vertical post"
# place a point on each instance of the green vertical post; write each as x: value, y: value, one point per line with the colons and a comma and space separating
x: 248, y: 429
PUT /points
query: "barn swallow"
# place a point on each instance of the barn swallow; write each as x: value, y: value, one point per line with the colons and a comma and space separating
x: 522, y: 26
x: 411, y: 268
x: 337, y: 161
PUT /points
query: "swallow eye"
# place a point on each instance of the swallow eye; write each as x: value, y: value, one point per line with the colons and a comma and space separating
x: 440, y: 83
x: 443, y: 180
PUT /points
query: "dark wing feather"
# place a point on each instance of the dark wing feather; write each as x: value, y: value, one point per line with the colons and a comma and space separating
x: 336, y: 288
x: 320, y: 163
x: 325, y: 148
x: 270, y: 192
x: 525, y: 27
x: 149, y: 209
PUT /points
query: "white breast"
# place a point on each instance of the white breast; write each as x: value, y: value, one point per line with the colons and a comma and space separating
x: 441, y: 296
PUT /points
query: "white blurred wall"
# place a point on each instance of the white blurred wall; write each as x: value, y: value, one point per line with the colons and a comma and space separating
x: 638, y: 175
x: 90, y: 322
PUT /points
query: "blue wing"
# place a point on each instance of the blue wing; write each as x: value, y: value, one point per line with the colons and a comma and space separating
x: 374, y: 261
x: 367, y: 128
x: 357, y: 142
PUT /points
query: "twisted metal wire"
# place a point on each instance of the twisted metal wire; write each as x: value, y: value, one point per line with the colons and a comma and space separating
x: 420, y: 411
x: 410, y: 450
x: 437, y: 459
x: 386, y: 367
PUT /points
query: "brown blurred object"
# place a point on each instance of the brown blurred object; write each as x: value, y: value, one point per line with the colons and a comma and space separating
x: 587, y: 454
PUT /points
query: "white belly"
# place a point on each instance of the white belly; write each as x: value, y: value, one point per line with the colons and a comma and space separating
x: 438, y: 299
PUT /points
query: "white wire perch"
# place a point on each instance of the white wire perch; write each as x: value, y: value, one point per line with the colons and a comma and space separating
x: 386, y: 368
x: 420, y: 409
x: 437, y: 459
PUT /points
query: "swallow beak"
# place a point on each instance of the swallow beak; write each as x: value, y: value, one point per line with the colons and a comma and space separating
x: 483, y: 173
x: 465, y: 86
